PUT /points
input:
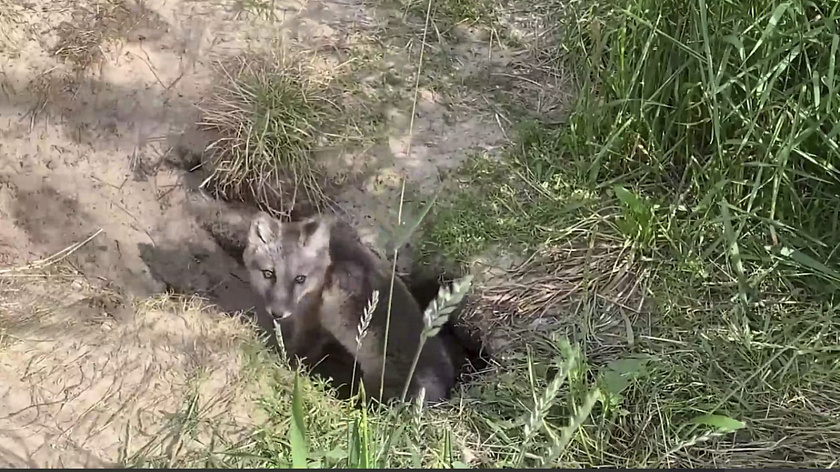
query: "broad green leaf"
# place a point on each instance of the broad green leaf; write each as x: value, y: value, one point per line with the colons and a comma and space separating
x: 813, y: 264
x: 403, y: 234
x: 620, y: 372
x: 628, y: 198
x: 719, y: 422
x: 297, y: 430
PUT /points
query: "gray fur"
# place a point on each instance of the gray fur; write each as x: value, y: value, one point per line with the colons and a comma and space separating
x: 340, y: 276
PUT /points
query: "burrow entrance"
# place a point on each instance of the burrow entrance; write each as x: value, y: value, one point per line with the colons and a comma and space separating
x: 216, y: 272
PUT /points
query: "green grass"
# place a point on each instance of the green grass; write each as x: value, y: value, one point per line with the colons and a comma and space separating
x: 450, y: 13
x: 732, y: 107
x: 491, y: 424
x: 481, y: 12
x: 523, y: 202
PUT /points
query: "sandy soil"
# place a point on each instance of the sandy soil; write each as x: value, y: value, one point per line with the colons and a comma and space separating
x: 98, y: 106
x: 89, y: 380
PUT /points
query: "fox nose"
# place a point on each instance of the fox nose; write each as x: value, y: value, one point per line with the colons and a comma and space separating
x: 279, y: 315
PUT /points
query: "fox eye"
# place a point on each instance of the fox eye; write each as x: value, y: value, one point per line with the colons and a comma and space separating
x: 269, y: 274
x: 300, y: 279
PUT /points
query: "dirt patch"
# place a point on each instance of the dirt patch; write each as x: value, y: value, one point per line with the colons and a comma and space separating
x: 91, y: 26
x: 45, y: 215
x: 96, y: 143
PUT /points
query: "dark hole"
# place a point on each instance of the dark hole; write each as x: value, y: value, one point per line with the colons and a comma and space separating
x: 464, y: 345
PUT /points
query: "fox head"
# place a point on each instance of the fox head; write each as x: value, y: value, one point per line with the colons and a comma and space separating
x: 287, y: 263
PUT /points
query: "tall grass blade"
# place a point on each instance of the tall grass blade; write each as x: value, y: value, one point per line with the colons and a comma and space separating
x: 435, y: 316
x: 297, y: 430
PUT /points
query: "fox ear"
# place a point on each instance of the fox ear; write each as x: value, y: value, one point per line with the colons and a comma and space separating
x: 315, y: 233
x: 263, y: 229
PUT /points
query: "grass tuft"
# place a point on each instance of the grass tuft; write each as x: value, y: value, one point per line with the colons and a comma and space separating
x: 449, y: 14
x: 269, y: 116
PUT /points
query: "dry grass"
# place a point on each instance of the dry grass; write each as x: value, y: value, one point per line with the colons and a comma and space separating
x: 80, y: 41
x: 9, y: 16
x: 269, y: 115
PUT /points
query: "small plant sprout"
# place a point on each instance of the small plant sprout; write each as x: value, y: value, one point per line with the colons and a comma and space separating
x: 361, y: 332
x: 418, y: 405
x: 436, y: 315
x: 280, y: 344
x: 543, y: 402
x: 575, y: 421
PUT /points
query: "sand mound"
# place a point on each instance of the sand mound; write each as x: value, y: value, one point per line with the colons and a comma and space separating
x: 88, y: 380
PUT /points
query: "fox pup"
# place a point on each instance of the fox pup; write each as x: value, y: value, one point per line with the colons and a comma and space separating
x: 316, y: 275
x: 332, y: 362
